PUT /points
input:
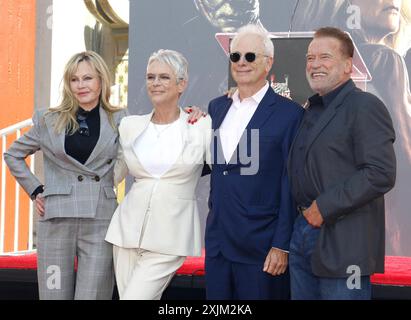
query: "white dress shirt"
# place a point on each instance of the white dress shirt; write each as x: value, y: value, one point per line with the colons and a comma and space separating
x: 237, y: 119
x: 159, y: 147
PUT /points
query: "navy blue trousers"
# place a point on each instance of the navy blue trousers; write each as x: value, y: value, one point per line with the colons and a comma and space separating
x: 228, y: 280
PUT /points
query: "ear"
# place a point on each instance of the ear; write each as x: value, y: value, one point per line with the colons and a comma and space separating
x: 269, y: 64
x: 182, y: 85
x: 348, y: 66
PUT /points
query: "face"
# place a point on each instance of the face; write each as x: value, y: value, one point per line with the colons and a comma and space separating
x: 162, y: 86
x: 85, y: 84
x: 250, y: 74
x: 381, y: 16
x: 229, y: 15
x: 326, y: 68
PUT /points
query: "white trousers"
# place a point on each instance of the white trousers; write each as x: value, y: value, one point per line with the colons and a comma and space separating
x: 142, y: 274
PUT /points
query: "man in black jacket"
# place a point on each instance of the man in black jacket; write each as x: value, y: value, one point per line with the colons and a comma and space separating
x: 341, y: 164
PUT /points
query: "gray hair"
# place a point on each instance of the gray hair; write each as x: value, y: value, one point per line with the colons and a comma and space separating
x: 175, y: 60
x: 252, y: 29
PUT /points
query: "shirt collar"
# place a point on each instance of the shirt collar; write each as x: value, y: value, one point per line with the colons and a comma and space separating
x: 316, y: 100
x: 93, y: 111
x: 327, y: 99
x: 257, y: 97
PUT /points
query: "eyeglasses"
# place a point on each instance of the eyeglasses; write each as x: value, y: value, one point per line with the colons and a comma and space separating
x: 249, y: 56
x: 162, y: 78
x: 83, y: 127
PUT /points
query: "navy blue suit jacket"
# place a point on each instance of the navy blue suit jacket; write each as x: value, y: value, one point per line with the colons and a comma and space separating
x: 250, y: 213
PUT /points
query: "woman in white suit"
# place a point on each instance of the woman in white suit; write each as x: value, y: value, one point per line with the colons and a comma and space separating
x: 157, y: 225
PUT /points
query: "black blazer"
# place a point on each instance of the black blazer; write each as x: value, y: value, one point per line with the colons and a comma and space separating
x: 350, y: 163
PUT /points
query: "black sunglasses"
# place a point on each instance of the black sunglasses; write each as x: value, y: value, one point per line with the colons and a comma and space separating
x: 249, y: 56
x: 83, y: 127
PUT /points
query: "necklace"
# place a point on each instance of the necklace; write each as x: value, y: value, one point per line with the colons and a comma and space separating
x: 165, y: 126
x: 160, y: 132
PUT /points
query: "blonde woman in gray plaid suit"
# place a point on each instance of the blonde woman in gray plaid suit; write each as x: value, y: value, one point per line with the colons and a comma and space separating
x: 79, y: 140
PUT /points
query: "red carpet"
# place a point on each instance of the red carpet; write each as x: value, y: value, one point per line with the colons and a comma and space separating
x: 397, y: 272
x: 27, y: 261
x: 397, y: 269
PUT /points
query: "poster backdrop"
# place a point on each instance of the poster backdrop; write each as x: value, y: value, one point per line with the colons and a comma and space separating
x: 381, y: 31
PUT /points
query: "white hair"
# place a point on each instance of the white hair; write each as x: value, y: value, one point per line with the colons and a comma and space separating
x: 175, y: 60
x: 252, y: 29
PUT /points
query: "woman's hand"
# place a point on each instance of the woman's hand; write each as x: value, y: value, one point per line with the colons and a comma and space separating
x: 195, y: 114
x: 39, y: 204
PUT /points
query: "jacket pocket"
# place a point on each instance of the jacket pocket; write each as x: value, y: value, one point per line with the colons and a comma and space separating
x: 260, y: 212
x: 110, y: 194
x: 57, y: 190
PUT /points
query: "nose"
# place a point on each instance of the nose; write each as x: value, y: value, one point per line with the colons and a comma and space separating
x: 80, y: 84
x: 242, y: 61
x: 156, y: 80
x: 314, y: 63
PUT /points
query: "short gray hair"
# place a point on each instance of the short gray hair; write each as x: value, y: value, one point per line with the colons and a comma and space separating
x: 252, y: 29
x: 175, y: 60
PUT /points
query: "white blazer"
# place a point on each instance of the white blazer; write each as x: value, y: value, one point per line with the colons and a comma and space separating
x: 161, y: 215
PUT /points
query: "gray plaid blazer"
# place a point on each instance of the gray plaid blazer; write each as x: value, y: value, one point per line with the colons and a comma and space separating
x: 71, y: 189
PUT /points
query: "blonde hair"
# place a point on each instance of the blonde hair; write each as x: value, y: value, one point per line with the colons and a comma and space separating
x: 68, y: 107
x: 401, y: 40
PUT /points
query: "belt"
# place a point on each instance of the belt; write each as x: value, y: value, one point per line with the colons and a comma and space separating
x: 301, y: 209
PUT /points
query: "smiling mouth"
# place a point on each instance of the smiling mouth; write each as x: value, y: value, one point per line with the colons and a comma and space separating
x: 318, y: 75
x: 392, y: 9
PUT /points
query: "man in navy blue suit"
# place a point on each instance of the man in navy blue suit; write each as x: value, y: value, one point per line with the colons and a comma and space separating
x: 251, y: 208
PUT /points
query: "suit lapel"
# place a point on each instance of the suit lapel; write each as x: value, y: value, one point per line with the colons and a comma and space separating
x: 260, y: 116
x: 263, y: 111
x: 139, y: 128
x: 218, y: 118
x: 184, y: 128
x: 106, y: 137
x: 58, y: 141
x: 328, y: 115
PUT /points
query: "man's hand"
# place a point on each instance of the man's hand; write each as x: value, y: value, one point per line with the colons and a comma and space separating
x: 276, y: 262
x: 313, y: 215
x: 230, y: 92
x: 195, y: 114
x: 39, y: 203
